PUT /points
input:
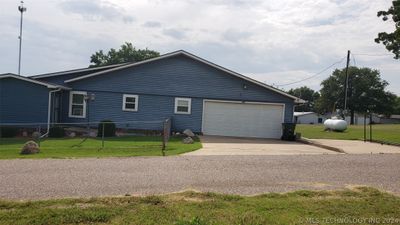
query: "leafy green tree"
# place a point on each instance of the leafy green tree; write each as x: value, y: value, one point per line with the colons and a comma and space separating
x: 366, y: 91
x: 307, y: 94
x: 391, y: 40
x: 127, y: 53
x: 396, y: 106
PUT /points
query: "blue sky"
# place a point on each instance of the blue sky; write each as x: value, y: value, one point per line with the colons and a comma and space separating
x: 276, y: 42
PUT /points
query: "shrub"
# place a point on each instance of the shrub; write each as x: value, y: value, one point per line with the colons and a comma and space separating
x: 109, y: 128
x: 8, y: 132
x: 56, y: 132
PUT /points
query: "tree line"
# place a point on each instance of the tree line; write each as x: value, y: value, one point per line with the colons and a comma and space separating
x: 366, y: 92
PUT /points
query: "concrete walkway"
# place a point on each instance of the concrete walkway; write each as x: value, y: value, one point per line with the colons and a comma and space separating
x: 359, y: 147
x: 217, y: 145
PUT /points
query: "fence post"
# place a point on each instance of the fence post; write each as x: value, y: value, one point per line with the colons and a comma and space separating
x: 370, y: 127
x: 166, y: 134
x: 102, y: 136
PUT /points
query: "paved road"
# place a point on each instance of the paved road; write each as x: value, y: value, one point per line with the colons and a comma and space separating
x: 54, y: 178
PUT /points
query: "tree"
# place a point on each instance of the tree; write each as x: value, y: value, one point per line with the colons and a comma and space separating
x: 391, y: 40
x: 366, y: 92
x: 396, y: 107
x: 307, y: 94
x: 127, y: 53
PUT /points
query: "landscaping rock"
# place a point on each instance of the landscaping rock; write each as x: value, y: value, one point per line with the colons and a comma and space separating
x: 30, y: 147
x: 188, y: 140
x: 36, y: 135
x: 188, y: 133
x: 72, y: 134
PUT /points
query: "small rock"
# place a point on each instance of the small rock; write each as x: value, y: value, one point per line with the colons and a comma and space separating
x: 188, y: 140
x: 30, y: 147
x: 36, y: 135
x: 188, y: 133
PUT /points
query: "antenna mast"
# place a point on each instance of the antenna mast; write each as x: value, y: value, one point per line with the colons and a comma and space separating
x: 22, y: 9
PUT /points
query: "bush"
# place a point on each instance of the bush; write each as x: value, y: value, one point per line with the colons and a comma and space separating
x: 56, y: 132
x: 8, y: 132
x: 109, y: 128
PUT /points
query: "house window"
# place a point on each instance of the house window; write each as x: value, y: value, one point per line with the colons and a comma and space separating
x: 183, y: 105
x: 77, y: 104
x: 130, y: 103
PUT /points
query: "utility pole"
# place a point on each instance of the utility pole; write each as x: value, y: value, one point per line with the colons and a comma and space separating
x: 346, y: 85
x: 22, y: 9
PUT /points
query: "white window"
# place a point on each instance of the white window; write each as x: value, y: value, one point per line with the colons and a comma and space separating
x: 77, y: 104
x: 183, y: 105
x: 130, y: 103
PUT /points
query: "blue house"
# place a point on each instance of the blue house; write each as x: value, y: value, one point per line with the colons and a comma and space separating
x: 195, y: 93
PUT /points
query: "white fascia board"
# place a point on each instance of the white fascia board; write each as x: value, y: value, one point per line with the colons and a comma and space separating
x: 32, y: 81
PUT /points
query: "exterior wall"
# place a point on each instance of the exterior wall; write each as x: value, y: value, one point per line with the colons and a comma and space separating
x: 158, y: 83
x: 307, y: 119
x: 22, y: 102
x: 358, y: 120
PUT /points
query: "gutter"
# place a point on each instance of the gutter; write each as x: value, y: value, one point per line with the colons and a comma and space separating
x: 49, y: 112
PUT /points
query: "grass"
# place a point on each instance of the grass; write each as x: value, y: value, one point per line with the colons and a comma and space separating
x: 114, y: 147
x: 382, y: 132
x: 192, y: 208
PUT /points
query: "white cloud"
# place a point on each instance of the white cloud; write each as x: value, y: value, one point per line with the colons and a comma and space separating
x: 272, y: 41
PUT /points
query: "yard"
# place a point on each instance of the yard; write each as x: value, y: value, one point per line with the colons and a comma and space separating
x: 358, y: 206
x: 92, y: 147
x: 381, y: 132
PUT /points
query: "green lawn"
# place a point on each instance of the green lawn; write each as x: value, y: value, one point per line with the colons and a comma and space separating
x: 191, y: 208
x: 382, y: 132
x: 114, y: 147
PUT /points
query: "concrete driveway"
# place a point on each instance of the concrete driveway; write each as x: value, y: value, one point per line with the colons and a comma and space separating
x: 218, y: 145
x: 359, y: 147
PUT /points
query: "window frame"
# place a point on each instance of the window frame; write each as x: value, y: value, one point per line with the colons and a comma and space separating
x: 189, y: 106
x: 124, y: 96
x: 71, y: 93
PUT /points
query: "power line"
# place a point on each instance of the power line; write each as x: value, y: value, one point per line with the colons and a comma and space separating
x: 354, y: 60
x: 310, y: 77
x: 368, y: 54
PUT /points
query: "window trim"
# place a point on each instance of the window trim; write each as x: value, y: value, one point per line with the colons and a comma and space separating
x: 189, y: 106
x: 124, y: 96
x: 71, y: 93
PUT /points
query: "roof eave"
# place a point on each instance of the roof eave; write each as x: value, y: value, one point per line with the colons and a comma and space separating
x: 171, y: 54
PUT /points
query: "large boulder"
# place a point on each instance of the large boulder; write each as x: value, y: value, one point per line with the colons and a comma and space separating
x: 30, y: 147
x: 188, y: 140
x: 188, y: 133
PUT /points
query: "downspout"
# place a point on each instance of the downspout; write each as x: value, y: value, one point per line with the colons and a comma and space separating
x: 49, y: 112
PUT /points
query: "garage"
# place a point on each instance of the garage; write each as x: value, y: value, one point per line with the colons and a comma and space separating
x: 237, y: 119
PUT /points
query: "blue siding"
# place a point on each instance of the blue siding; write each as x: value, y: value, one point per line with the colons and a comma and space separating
x: 152, y: 108
x: 158, y: 83
x: 22, y: 102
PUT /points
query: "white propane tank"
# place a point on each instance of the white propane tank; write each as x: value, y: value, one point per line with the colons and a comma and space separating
x: 335, y: 124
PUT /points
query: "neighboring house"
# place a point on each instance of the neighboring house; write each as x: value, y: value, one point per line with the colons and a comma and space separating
x: 393, y: 119
x: 308, y: 118
x: 196, y: 94
x: 25, y: 100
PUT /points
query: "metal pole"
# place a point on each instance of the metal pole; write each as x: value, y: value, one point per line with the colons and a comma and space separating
x: 22, y: 9
x: 102, y: 136
x: 370, y: 127
x: 347, y: 80
x: 365, y: 127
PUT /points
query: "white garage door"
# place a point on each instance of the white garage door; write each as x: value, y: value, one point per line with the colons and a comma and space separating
x: 242, y: 119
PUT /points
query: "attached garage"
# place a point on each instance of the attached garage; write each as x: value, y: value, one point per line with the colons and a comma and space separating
x: 238, y: 119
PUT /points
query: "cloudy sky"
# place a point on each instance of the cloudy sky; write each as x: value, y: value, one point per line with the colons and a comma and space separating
x: 276, y: 42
